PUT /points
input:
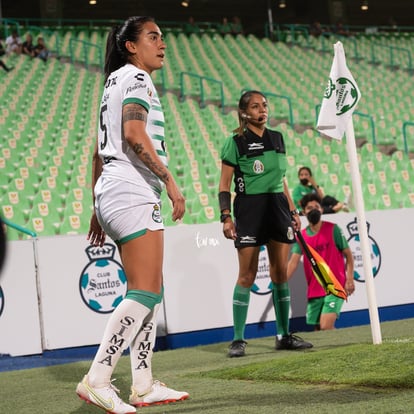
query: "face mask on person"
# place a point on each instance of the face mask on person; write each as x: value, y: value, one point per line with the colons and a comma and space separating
x: 314, y: 216
x: 304, y: 181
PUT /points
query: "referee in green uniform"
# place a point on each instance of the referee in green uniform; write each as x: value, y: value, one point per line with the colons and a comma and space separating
x: 264, y: 214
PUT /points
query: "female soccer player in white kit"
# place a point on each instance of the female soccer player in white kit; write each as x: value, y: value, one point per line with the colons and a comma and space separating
x: 129, y: 173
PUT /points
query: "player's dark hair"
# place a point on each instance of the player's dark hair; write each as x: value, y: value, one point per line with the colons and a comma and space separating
x: 117, y: 54
x: 243, y: 104
x: 305, y: 169
x: 307, y: 198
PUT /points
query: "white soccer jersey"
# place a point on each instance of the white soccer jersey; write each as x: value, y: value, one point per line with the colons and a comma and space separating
x: 129, y: 85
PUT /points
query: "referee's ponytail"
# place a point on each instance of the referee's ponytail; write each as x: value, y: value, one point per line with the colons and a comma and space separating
x: 116, y: 54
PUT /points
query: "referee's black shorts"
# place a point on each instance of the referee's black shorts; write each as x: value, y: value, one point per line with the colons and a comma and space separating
x: 262, y: 217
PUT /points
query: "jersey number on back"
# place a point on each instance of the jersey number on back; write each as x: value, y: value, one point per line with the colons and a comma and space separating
x: 102, y: 126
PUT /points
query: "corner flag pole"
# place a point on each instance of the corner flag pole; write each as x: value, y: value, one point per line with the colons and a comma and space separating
x: 335, y: 118
x: 363, y: 233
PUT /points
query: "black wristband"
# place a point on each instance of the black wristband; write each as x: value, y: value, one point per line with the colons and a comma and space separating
x: 224, y: 217
x: 294, y: 212
x: 224, y: 200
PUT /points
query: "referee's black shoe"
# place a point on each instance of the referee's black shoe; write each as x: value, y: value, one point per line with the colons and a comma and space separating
x: 292, y: 342
x: 237, y: 348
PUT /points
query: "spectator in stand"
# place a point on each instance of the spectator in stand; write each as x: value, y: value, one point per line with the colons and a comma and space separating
x: 316, y: 29
x: 28, y: 48
x: 13, y: 43
x: 40, y: 50
x: 308, y: 185
x: 225, y: 27
x: 2, y: 53
x: 236, y: 26
x: 191, y: 27
x: 339, y: 29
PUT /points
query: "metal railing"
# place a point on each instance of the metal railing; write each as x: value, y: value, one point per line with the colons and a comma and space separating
x: 201, y: 80
x: 18, y: 227
x: 393, y: 50
x: 289, y: 102
x: 86, y: 49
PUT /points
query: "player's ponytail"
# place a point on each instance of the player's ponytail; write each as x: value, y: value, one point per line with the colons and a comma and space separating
x: 113, y: 58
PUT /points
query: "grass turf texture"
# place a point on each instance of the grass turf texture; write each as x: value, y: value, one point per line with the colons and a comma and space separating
x: 343, y: 373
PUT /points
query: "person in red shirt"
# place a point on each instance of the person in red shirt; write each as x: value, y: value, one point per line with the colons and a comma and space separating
x: 329, y: 241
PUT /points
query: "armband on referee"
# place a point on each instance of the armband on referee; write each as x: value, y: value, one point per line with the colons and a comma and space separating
x: 224, y: 201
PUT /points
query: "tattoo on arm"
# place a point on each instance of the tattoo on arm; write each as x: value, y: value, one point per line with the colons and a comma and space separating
x: 134, y: 112
x: 156, y: 168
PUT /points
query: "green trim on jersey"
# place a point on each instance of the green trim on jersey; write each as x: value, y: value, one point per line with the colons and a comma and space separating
x: 159, y: 137
x: 161, y: 153
x: 158, y: 123
x: 131, y: 236
x: 137, y: 101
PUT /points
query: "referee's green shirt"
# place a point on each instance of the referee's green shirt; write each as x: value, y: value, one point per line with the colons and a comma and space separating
x: 259, y: 162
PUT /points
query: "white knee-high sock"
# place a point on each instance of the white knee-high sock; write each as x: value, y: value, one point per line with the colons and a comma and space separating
x: 122, y: 327
x: 141, y: 353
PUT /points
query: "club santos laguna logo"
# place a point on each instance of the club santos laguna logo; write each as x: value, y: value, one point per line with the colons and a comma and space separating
x: 262, y: 284
x: 103, y: 283
x: 355, y: 246
x: 346, y: 94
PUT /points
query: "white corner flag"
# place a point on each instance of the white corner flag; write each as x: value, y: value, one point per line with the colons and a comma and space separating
x: 340, y: 99
x: 335, y: 118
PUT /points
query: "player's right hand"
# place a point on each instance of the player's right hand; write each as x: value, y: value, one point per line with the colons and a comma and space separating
x: 96, y: 235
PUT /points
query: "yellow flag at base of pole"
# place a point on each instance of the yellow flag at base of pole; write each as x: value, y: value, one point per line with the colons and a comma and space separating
x: 340, y: 99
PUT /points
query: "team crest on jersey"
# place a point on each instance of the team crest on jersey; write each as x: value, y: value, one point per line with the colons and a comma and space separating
x: 149, y: 92
x: 156, y: 214
x: 258, y: 167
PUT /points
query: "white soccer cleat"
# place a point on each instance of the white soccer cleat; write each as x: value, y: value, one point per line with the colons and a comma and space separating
x: 105, y: 397
x: 159, y: 394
